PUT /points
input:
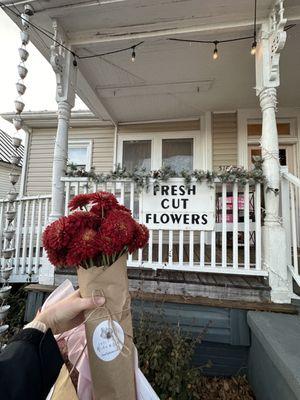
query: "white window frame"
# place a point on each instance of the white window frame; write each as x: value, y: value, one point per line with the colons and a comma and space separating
x: 88, y: 144
x: 244, y: 116
x: 199, y: 148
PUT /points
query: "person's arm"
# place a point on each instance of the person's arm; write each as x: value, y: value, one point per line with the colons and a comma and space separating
x: 31, y: 362
x: 29, y: 365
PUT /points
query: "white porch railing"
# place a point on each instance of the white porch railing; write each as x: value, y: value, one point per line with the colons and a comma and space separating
x: 290, y: 192
x: 31, y: 219
x: 234, y: 247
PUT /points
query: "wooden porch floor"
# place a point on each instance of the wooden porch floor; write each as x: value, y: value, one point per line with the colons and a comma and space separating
x: 208, y: 289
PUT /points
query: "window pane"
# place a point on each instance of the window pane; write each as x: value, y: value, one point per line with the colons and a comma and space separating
x: 282, y: 157
x: 137, y: 154
x: 178, y: 154
x: 78, y: 156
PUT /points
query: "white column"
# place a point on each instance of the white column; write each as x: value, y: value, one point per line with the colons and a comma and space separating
x: 270, y: 155
x: 274, y: 255
x: 60, y: 160
x: 65, y: 68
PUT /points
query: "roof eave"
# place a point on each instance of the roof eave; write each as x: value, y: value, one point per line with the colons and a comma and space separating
x: 48, y: 119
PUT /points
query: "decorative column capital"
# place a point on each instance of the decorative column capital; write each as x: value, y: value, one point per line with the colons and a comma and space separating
x: 64, y: 66
x: 272, y: 38
x: 268, y: 98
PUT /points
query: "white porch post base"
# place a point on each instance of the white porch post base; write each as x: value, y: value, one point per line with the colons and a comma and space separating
x: 274, y: 261
x: 46, y: 274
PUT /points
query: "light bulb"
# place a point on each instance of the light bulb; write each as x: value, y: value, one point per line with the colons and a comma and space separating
x: 133, y: 55
x: 253, y: 48
x: 216, y: 54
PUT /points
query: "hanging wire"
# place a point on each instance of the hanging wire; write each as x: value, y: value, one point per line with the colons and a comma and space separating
x: 110, y: 52
x: 50, y: 36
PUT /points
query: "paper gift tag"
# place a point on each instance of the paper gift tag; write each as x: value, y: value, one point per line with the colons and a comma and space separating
x: 108, y: 340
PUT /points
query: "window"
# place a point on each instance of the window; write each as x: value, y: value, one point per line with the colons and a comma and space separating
x: 178, y: 154
x: 79, y: 153
x: 282, y: 155
x: 285, y: 127
x: 154, y: 150
x: 137, y: 154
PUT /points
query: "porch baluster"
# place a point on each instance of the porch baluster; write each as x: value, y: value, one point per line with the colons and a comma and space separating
x: 224, y: 226
x: 246, y: 228
x: 235, y: 226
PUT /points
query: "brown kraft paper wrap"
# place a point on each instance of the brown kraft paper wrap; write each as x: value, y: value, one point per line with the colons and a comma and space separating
x: 112, y: 380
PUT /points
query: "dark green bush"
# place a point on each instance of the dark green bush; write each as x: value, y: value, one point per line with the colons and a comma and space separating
x: 165, y: 355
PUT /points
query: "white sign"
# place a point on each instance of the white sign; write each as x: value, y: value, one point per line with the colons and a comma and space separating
x: 173, y: 205
x: 108, y: 340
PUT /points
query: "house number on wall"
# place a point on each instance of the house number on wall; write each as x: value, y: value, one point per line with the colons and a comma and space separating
x: 172, y: 205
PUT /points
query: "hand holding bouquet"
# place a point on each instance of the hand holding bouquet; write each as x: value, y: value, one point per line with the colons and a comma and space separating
x: 96, y: 240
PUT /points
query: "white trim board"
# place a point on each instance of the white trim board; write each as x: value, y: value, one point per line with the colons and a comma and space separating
x: 285, y: 114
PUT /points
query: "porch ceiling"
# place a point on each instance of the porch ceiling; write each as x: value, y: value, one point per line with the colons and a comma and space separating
x: 169, y: 79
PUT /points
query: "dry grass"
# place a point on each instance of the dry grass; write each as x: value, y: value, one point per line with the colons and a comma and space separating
x: 235, y: 388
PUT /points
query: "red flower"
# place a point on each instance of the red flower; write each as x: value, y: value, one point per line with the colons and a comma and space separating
x: 140, y: 238
x: 80, y: 220
x: 85, y: 245
x: 84, y: 237
x: 57, y: 257
x: 103, y: 202
x: 79, y: 201
x: 100, y: 211
x: 55, y: 235
x: 116, y: 231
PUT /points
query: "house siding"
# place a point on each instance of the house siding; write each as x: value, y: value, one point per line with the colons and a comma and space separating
x: 40, y: 155
x: 5, y: 184
x: 224, y: 139
x: 41, y: 146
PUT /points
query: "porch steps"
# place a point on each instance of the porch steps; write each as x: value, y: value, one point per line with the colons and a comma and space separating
x: 274, y: 359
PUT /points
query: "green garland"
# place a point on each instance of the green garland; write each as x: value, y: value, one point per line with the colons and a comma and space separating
x: 142, y: 178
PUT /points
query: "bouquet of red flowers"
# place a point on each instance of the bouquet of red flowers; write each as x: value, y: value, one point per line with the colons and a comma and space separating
x: 95, y: 239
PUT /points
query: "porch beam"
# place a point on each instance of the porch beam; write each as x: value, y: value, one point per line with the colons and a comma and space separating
x: 90, y: 97
x: 153, y: 31
x: 157, y: 30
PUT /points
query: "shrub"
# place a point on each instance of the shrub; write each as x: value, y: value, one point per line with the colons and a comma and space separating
x: 165, y: 357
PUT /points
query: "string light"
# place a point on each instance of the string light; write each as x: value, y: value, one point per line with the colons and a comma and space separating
x: 216, y: 53
x: 254, y: 44
x: 76, y: 56
x: 253, y: 48
x: 133, y: 54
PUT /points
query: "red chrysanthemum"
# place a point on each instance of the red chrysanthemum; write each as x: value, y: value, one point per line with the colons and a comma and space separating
x: 116, y: 231
x: 55, y: 236
x: 101, y: 211
x: 79, y: 201
x: 57, y: 257
x: 84, y: 246
x: 140, y: 238
x: 103, y: 202
x: 80, y: 220
x: 85, y: 236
